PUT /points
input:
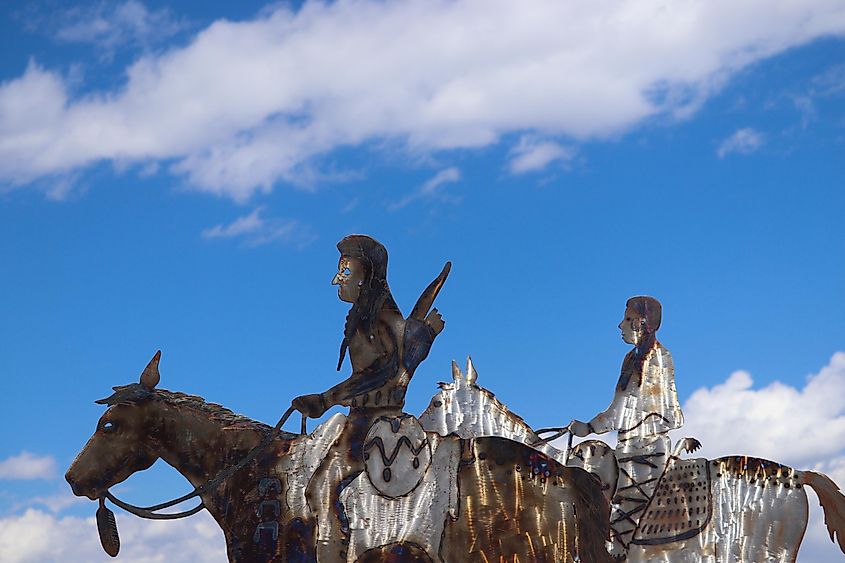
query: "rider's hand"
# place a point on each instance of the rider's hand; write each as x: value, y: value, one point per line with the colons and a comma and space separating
x: 580, y: 429
x: 691, y: 444
x: 435, y: 321
x: 312, y: 406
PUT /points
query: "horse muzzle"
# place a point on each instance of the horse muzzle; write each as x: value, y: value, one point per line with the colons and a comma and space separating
x: 81, y: 489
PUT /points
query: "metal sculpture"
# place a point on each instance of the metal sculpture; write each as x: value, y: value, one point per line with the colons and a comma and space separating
x: 478, y: 499
x: 735, y: 508
x: 467, y: 481
x: 645, y: 408
x: 384, y: 349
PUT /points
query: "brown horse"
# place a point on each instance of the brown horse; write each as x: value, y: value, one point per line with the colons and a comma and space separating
x: 509, y: 503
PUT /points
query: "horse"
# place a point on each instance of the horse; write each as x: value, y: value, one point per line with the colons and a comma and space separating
x: 489, y: 498
x: 468, y: 410
x: 734, y: 508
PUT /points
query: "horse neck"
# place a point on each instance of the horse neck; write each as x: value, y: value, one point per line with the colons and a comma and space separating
x: 198, y: 446
x: 479, y: 406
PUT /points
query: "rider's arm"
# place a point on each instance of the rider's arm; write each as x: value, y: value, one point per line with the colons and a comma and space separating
x: 624, y: 399
x: 383, y: 365
x: 372, y: 377
x: 610, y: 418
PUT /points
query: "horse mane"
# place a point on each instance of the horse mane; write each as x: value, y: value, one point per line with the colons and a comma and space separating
x: 212, y: 411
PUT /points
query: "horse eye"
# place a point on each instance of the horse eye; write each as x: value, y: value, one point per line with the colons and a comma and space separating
x: 438, y: 404
x: 108, y: 426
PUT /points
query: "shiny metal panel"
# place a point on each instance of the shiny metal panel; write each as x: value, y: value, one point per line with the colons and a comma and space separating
x: 468, y: 410
x: 304, y: 458
x: 418, y: 517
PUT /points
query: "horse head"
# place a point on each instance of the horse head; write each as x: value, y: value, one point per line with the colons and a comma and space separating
x: 447, y: 412
x: 596, y: 457
x: 468, y: 410
x: 121, y: 445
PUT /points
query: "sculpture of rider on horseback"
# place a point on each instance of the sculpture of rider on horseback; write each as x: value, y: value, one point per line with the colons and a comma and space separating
x: 384, y: 349
x: 645, y: 408
x: 467, y: 481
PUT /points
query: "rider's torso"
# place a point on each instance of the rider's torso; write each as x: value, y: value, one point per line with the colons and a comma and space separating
x: 376, y: 362
x: 653, y: 408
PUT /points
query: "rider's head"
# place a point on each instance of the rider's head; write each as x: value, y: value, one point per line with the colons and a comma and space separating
x: 642, y: 319
x: 362, y: 268
x: 362, y: 281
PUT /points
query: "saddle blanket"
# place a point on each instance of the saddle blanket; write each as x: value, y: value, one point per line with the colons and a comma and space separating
x: 681, y: 505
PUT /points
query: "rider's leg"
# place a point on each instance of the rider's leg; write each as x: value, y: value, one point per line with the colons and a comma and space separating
x: 641, y: 462
x: 342, y: 464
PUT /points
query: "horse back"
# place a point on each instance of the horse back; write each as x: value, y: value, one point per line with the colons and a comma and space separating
x: 516, y: 501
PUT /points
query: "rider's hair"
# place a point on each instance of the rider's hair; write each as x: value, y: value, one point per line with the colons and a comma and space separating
x: 647, y: 308
x: 374, y: 294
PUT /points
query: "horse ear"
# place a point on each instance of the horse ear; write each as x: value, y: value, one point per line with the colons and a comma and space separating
x: 472, y: 375
x: 456, y: 372
x: 150, y: 376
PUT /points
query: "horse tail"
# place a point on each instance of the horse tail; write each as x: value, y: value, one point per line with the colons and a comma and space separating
x: 833, y: 504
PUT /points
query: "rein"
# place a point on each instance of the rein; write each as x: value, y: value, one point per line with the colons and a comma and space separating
x: 149, y: 512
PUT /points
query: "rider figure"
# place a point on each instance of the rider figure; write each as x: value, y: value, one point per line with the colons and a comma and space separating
x: 645, y: 408
x: 384, y: 348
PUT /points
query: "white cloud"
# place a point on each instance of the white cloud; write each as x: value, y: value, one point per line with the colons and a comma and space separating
x: 110, y: 25
x: 38, y: 537
x: 446, y: 176
x: 532, y: 155
x: 801, y: 427
x: 743, y: 141
x: 431, y: 188
x: 28, y: 466
x: 247, y: 104
x: 55, y: 503
x: 240, y: 226
x: 779, y: 422
x: 256, y: 230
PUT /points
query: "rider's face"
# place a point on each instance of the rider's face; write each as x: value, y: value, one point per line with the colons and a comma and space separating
x: 632, y: 327
x: 349, y: 279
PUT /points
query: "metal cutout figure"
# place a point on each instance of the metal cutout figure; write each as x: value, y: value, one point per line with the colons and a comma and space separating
x: 645, y: 408
x: 467, y: 481
x: 384, y: 349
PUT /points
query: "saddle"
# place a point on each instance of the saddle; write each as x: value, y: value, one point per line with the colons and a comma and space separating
x: 681, y: 506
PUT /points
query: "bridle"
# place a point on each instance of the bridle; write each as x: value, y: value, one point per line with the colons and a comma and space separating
x: 150, y: 512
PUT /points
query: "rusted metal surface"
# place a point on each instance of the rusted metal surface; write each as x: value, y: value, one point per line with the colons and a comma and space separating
x: 517, y: 504
x: 476, y: 498
x: 467, y: 481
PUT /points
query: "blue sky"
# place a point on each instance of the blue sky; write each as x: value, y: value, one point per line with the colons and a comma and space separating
x: 177, y: 178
